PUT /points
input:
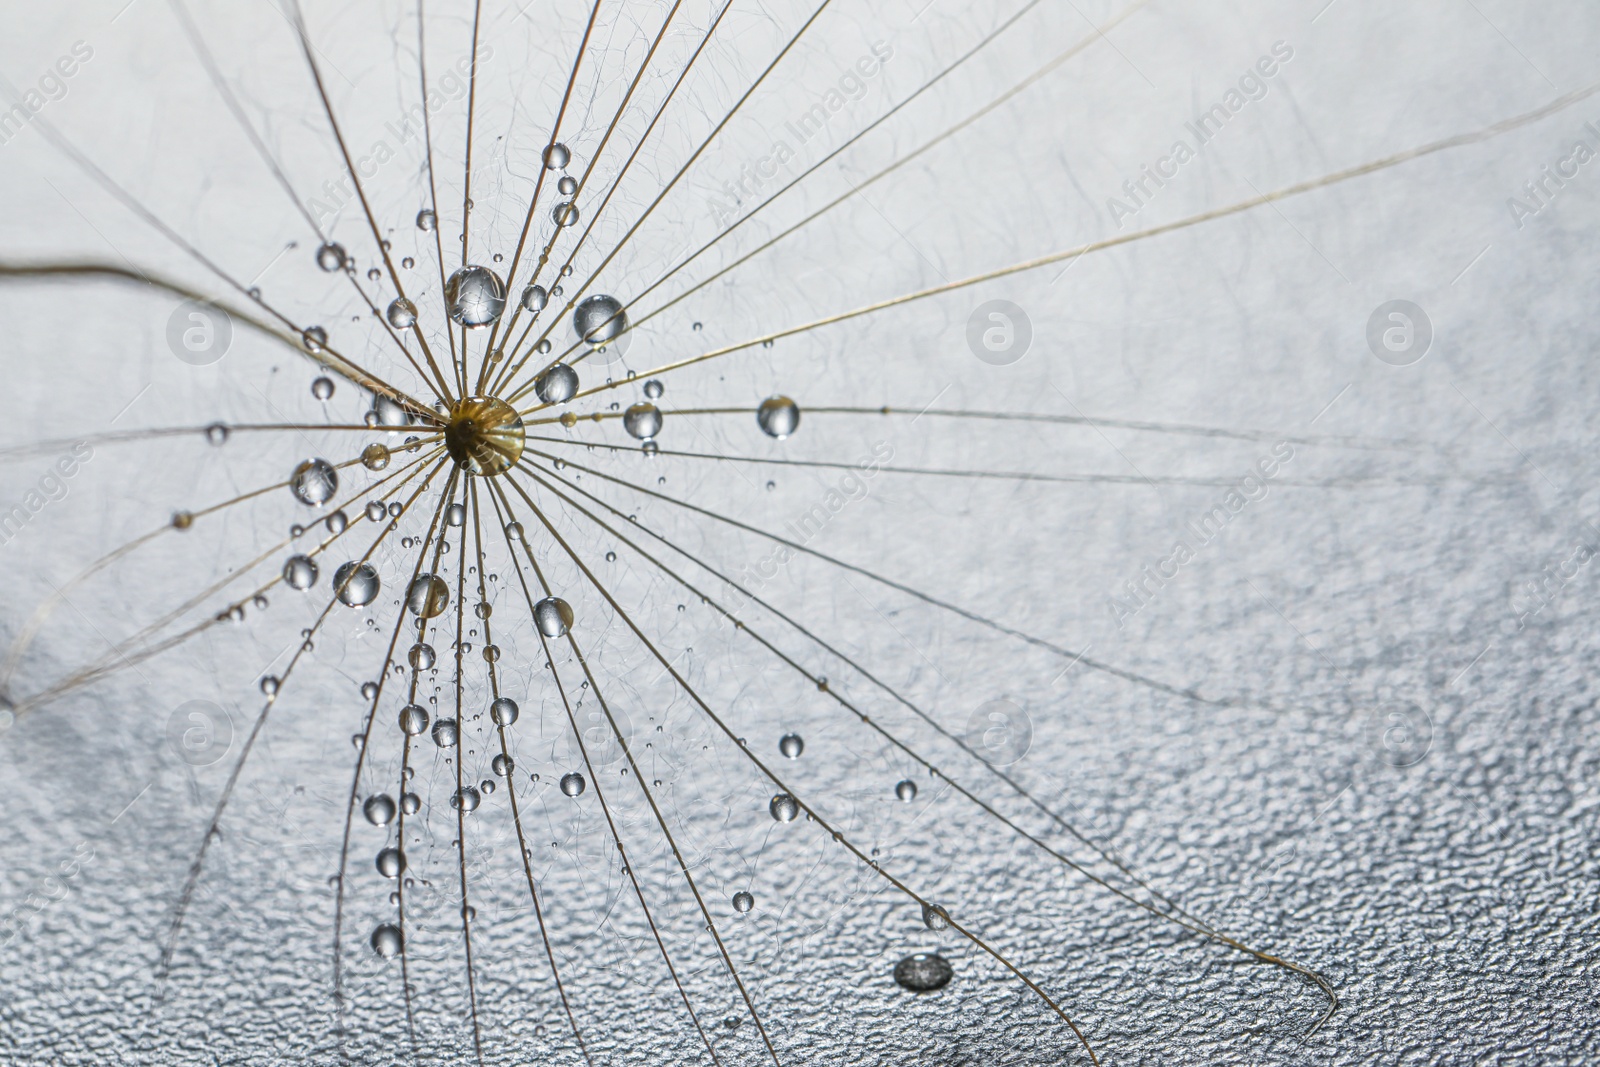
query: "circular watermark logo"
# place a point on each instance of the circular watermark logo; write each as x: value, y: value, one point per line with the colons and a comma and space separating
x: 999, y: 332
x: 1400, y: 734
x: 1000, y: 732
x: 200, y: 732
x: 199, y: 333
x: 1399, y: 333
x: 598, y: 738
x: 612, y: 351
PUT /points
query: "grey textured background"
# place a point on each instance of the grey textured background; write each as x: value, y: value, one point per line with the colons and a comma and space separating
x: 1452, y: 901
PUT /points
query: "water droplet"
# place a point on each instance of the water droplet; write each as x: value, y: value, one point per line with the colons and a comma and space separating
x: 446, y: 733
x: 315, y: 338
x: 564, y: 214
x: 467, y: 798
x: 572, y: 784
x: 791, y: 745
x: 410, y: 803
x: 217, y: 434
x: 375, y: 457
x: 553, y: 615
x: 331, y: 257
x: 783, y: 807
x: 337, y: 521
x: 455, y: 514
x: 557, y: 385
x: 387, y: 941
x: 369, y: 690
x: 514, y: 530
x: 182, y: 520
x: 475, y: 297
x: 743, y: 902
x: 391, y: 862
x: 642, y: 421
x: 534, y: 298
x: 421, y: 656
x: 379, y: 809
x: 653, y: 389
x: 427, y: 220
x: 599, y: 319
x: 427, y: 596
x: 556, y: 155
x: 408, y: 263
x: 906, y: 790
x: 502, y: 765
x: 923, y: 972
x: 269, y: 684
x: 413, y: 719
x: 356, y: 583
x: 375, y: 510
x: 504, y: 711
x: 374, y: 274
x: 300, y: 572
x: 935, y: 918
x: 568, y: 185
x: 402, y: 313
x: 491, y: 653
x: 611, y: 557
x: 313, y: 481
x: 778, y: 416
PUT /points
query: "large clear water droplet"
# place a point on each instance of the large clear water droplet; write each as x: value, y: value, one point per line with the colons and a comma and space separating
x: 322, y: 388
x: 379, y: 809
x: 467, y: 798
x: 421, y: 656
x: 446, y: 733
x: 743, y: 902
x: 935, y: 918
x: 427, y: 220
x: 778, y: 416
x: 504, y: 711
x: 375, y: 457
x: 553, y: 615
x: 642, y: 421
x: 568, y: 185
x: 331, y: 257
x: 410, y: 803
x: 455, y: 514
x: 356, y: 583
x: 791, y: 745
x: 534, y: 298
x: 556, y: 155
x: 427, y: 596
x: 314, y: 481
x: 402, y: 313
x: 783, y: 807
x: 387, y: 941
x: 564, y: 214
x: 475, y: 297
x: 413, y: 719
x: 906, y: 790
x: 300, y: 572
x: 557, y: 385
x: 573, y: 784
x: 923, y: 972
x: 391, y: 861
x: 599, y: 319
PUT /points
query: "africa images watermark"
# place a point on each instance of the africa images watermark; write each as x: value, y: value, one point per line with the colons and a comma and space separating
x: 452, y: 85
x: 1553, y: 179
x: 1253, y: 84
x: 851, y: 487
x: 52, y: 85
x: 753, y: 178
x: 1197, y: 533
x: 53, y: 485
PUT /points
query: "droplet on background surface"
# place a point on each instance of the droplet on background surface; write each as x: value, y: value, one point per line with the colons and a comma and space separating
x: 743, y: 902
x: 906, y: 790
x: 783, y: 808
x: 300, y: 572
x: 390, y: 862
x: 791, y: 745
x: 331, y: 257
x: 534, y: 298
x: 426, y: 220
x: 923, y: 972
x: 573, y: 784
x: 387, y: 941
